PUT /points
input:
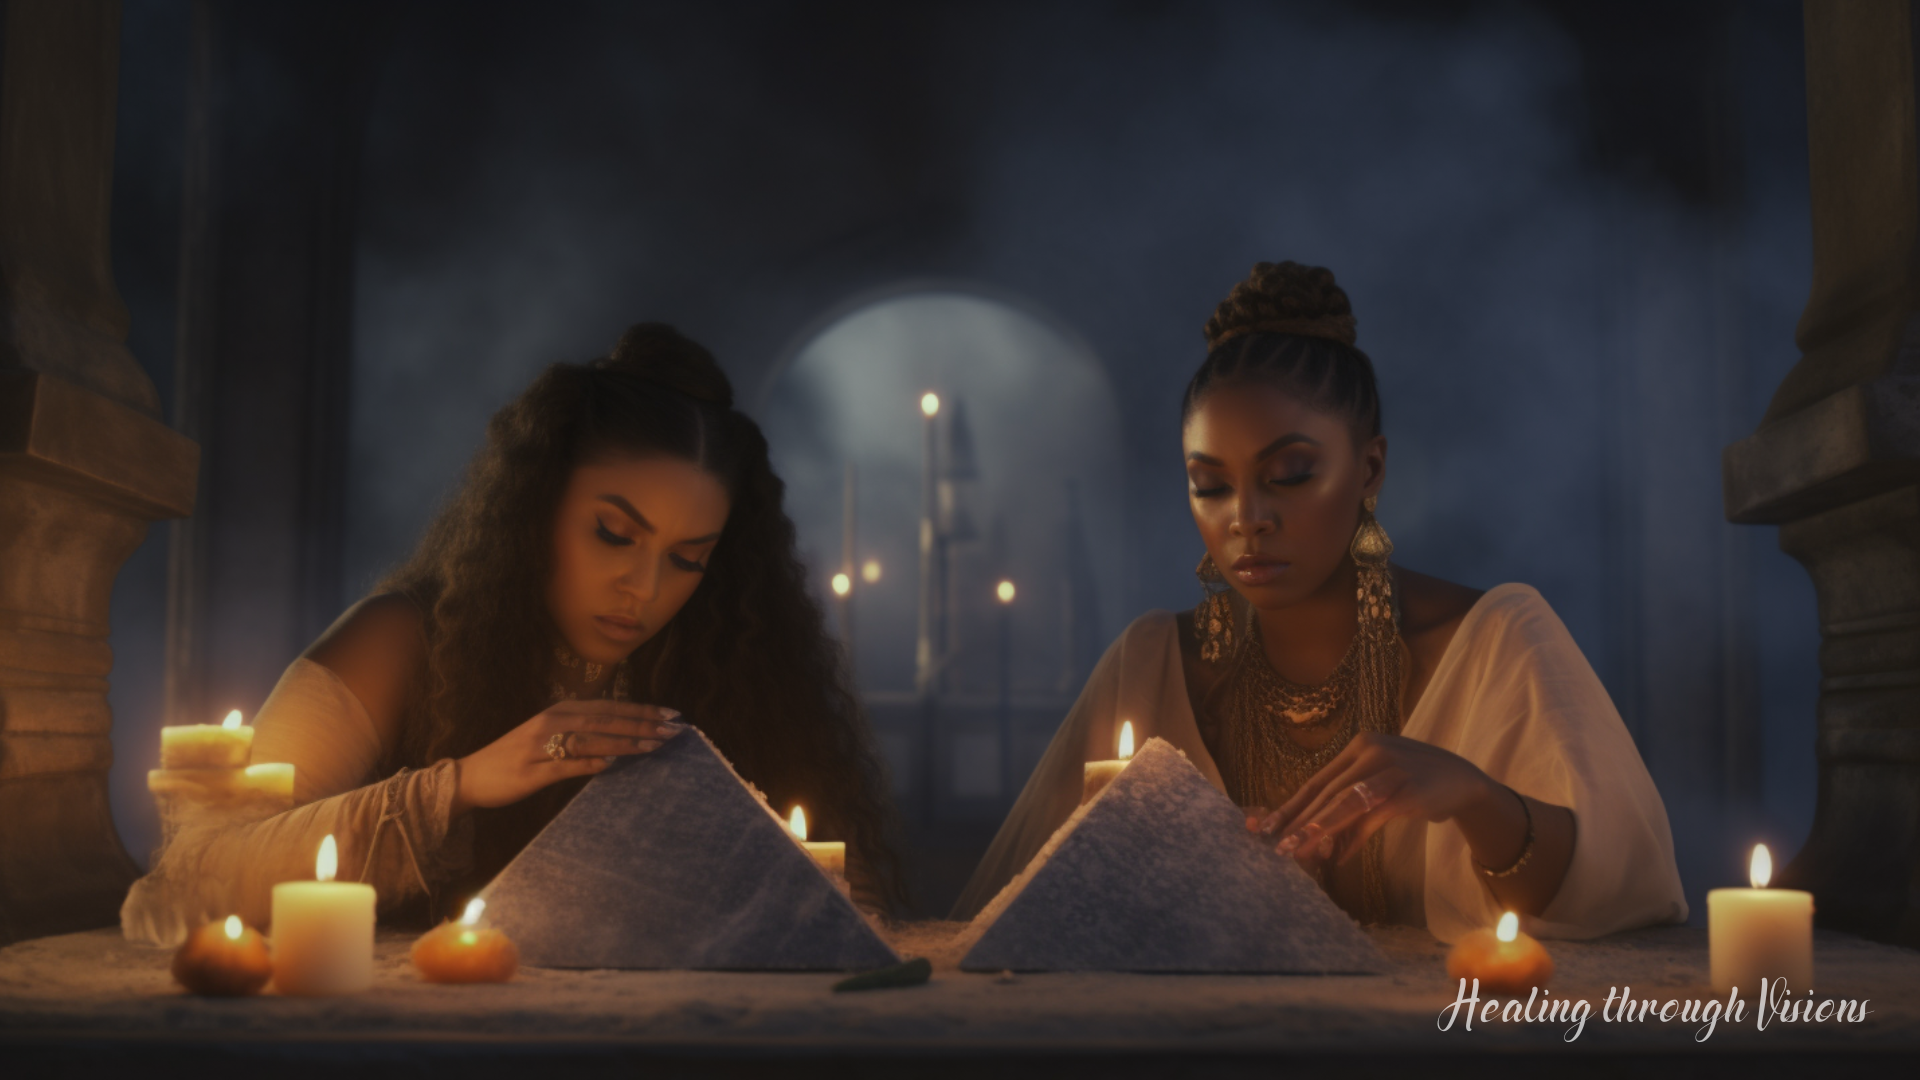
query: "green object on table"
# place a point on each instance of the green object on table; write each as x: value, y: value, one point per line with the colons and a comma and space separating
x: 912, y: 973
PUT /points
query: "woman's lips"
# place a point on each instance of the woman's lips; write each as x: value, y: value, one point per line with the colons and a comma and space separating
x: 1258, y: 569
x: 619, y: 629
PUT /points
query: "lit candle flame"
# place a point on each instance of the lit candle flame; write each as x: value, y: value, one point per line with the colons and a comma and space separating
x: 1760, y: 870
x: 1004, y: 591
x: 474, y: 907
x: 1509, y: 927
x: 233, y: 928
x: 232, y: 722
x: 328, y: 863
x: 842, y: 584
x: 1126, y: 741
x: 798, y: 823
x: 870, y: 571
x: 930, y: 404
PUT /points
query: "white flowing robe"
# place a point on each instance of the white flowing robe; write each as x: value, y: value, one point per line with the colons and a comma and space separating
x: 1512, y: 694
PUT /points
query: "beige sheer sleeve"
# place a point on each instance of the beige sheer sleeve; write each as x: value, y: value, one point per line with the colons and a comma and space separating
x: 1515, y: 696
x: 1139, y: 679
x: 391, y: 833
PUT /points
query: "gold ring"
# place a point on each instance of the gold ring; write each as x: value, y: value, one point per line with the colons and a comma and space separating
x: 557, y: 747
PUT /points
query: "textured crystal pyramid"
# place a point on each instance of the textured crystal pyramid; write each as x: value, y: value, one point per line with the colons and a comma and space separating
x: 669, y: 860
x: 1158, y: 873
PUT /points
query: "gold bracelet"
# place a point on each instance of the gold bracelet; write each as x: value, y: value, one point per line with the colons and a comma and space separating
x: 1526, y: 849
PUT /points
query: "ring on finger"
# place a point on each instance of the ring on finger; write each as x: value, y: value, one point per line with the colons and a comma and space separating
x: 557, y: 747
x: 1367, y: 799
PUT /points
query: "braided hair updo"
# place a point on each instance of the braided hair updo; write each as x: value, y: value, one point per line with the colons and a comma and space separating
x: 1290, y: 325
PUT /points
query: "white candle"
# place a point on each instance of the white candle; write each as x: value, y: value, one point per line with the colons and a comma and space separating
x: 322, y: 932
x: 268, y: 786
x: 1099, y: 774
x: 225, y: 745
x: 831, y: 855
x: 1760, y: 933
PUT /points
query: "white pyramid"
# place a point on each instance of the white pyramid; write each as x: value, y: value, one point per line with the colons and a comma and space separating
x: 1158, y: 873
x: 668, y: 860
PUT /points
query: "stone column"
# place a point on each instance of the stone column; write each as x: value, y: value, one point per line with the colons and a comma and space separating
x: 85, y: 465
x: 1836, y: 463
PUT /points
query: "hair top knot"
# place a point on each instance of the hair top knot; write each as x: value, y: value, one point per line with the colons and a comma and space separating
x: 657, y: 353
x: 1291, y: 326
x: 1284, y: 298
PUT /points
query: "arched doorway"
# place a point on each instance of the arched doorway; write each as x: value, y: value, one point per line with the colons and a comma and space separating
x: 1028, y: 467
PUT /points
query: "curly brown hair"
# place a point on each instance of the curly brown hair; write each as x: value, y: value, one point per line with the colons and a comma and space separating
x: 747, y: 659
x: 1292, y: 325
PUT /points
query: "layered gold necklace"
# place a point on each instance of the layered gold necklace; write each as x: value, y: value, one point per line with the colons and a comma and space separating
x: 1263, y: 710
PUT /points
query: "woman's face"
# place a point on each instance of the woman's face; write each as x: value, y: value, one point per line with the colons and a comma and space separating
x: 630, y: 544
x: 1276, y: 486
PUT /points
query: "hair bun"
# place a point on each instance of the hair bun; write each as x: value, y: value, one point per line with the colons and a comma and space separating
x: 1284, y: 298
x: 660, y: 354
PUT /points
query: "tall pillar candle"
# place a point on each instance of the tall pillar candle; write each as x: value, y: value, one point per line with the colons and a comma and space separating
x: 1760, y: 933
x: 323, y: 932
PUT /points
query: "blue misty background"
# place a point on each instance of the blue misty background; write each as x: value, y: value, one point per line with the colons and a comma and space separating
x: 1576, y: 239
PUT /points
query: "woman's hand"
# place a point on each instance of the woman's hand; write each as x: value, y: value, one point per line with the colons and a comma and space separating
x: 1375, y: 779
x: 592, y: 734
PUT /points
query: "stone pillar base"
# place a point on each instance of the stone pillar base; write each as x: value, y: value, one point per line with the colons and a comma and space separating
x: 1859, y: 860
x: 81, y: 477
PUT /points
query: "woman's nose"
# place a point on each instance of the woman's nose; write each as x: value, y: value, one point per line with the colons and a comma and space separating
x: 1252, y: 517
x: 642, y: 579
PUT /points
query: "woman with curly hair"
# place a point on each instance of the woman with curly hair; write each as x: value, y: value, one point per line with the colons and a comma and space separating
x: 617, y: 556
x: 1437, y: 754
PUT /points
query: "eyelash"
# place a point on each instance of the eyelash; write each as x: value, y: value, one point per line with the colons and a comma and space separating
x: 608, y: 536
x: 1285, y: 481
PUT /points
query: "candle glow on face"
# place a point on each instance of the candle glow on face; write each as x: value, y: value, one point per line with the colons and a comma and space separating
x: 232, y: 722
x: 328, y: 863
x: 1760, y: 867
x: 233, y: 928
x: 1126, y: 741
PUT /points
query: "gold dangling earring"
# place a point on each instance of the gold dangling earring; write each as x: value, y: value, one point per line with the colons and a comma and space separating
x: 1213, y: 619
x: 1377, y: 678
x: 1370, y: 548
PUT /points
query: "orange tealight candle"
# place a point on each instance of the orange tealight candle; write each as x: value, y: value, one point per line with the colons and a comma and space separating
x: 223, y: 959
x: 461, y: 952
x: 1505, y: 960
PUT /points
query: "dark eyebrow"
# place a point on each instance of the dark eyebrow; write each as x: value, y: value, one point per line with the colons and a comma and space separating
x: 626, y: 508
x: 1266, y: 451
x: 640, y: 519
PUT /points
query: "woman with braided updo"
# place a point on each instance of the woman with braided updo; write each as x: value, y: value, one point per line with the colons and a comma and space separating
x: 617, y: 556
x: 1436, y: 755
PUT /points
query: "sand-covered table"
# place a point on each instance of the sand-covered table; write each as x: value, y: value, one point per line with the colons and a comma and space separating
x: 93, y: 999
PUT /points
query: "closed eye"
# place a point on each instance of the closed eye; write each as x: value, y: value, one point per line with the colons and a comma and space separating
x: 687, y: 564
x: 609, y: 536
x: 1208, y: 493
x: 1297, y: 478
